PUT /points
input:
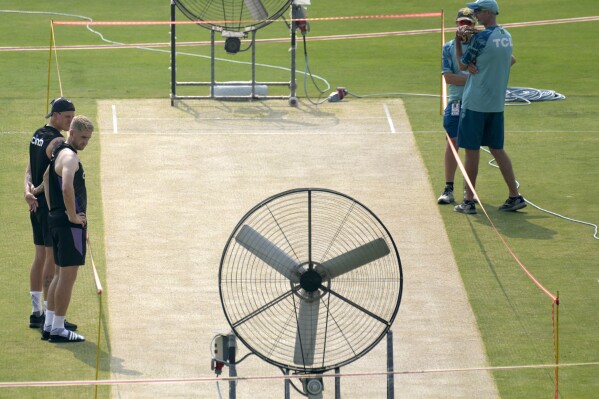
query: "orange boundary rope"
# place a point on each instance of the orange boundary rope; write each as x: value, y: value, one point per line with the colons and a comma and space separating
x: 200, y: 22
x: 284, y: 377
x: 554, y: 298
x: 509, y: 249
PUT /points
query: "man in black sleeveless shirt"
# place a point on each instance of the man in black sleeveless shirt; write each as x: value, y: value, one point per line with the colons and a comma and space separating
x: 43, y: 142
x: 66, y: 194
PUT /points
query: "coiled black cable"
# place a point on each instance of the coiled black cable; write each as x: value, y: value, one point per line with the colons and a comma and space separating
x: 527, y: 95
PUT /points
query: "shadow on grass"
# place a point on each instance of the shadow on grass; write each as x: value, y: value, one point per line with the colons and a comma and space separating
x: 518, y: 224
x: 511, y: 221
x: 86, y: 352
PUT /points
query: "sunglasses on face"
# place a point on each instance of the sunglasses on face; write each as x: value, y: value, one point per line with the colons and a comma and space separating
x: 465, y: 22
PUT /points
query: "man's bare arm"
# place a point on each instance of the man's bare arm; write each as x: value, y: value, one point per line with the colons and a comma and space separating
x: 456, y: 79
x: 68, y: 164
x: 46, y: 185
x: 29, y: 190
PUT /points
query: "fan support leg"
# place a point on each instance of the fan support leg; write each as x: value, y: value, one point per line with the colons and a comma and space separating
x: 390, y: 376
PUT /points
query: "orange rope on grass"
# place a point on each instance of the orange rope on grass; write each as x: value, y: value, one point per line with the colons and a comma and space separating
x: 509, y: 249
x: 554, y: 298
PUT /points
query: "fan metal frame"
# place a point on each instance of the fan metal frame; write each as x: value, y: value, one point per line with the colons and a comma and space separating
x: 233, y: 258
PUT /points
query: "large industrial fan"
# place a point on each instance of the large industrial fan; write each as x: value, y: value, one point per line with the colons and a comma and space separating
x: 310, y: 280
x: 236, y: 20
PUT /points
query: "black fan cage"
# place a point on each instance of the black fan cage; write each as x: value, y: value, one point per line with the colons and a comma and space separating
x: 233, y: 15
x: 356, y: 309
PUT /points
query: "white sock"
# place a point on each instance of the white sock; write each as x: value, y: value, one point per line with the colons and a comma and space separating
x: 45, y: 304
x: 36, y: 302
x: 57, y: 325
x: 49, y: 320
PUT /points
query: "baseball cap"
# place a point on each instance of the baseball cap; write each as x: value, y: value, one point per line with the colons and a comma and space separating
x: 490, y: 5
x: 61, y: 104
x: 465, y: 14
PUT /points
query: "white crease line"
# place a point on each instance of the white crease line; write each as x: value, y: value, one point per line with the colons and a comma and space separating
x: 114, y: 121
x: 389, y: 118
x: 252, y: 133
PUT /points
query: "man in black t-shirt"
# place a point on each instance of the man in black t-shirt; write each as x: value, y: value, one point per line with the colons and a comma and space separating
x: 42, y: 143
x: 66, y: 195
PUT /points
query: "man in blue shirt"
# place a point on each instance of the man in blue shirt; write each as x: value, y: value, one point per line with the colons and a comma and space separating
x: 455, y: 79
x: 488, y: 59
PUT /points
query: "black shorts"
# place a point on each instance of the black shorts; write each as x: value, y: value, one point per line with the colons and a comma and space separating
x: 40, y: 227
x: 68, y: 242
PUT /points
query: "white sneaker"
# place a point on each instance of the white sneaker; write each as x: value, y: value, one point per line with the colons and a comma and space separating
x: 447, y: 196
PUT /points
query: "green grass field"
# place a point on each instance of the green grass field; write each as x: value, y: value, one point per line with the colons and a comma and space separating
x: 553, y: 146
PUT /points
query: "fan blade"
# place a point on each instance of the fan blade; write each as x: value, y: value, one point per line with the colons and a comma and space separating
x: 355, y: 258
x: 305, y: 339
x: 257, y: 9
x: 268, y: 252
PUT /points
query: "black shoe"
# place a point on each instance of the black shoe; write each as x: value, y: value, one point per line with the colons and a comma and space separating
x: 70, y: 326
x: 466, y: 207
x: 71, y: 337
x: 45, y: 335
x: 36, y: 321
x: 513, y: 204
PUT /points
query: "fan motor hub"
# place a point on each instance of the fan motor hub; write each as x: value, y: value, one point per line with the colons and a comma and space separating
x: 310, y: 280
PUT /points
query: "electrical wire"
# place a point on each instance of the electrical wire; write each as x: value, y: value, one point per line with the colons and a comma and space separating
x: 301, y: 392
x: 309, y: 73
x: 392, y: 94
x: 595, y: 235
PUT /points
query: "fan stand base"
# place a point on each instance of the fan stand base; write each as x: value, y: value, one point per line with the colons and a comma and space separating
x: 230, y: 90
x: 390, y: 377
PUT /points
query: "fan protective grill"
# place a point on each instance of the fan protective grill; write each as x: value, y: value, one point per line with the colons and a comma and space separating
x: 354, y: 310
x: 240, y: 15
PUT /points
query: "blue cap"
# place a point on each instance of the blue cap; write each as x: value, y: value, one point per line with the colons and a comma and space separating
x: 489, y: 5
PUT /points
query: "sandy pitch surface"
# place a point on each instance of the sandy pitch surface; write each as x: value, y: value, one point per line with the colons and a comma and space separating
x: 175, y: 182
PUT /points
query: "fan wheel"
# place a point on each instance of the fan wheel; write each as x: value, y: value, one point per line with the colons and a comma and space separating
x: 310, y: 280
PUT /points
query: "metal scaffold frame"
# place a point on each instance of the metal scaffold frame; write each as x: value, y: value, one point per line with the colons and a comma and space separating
x: 213, y: 84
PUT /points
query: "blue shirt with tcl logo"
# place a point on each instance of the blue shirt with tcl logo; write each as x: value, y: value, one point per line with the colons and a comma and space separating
x: 491, y: 51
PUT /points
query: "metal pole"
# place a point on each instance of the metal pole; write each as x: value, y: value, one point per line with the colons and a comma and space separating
x: 286, y: 372
x: 390, y: 376
x: 293, y: 44
x: 254, y: 63
x: 212, y: 79
x: 173, y: 56
x: 337, y: 384
x: 232, y: 368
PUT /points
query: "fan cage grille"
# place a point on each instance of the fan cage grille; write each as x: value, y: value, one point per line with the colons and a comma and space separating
x: 233, y: 15
x: 262, y: 306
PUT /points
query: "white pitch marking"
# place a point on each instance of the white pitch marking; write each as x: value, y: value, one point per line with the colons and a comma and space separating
x: 114, y: 122
x: 389, y: 119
